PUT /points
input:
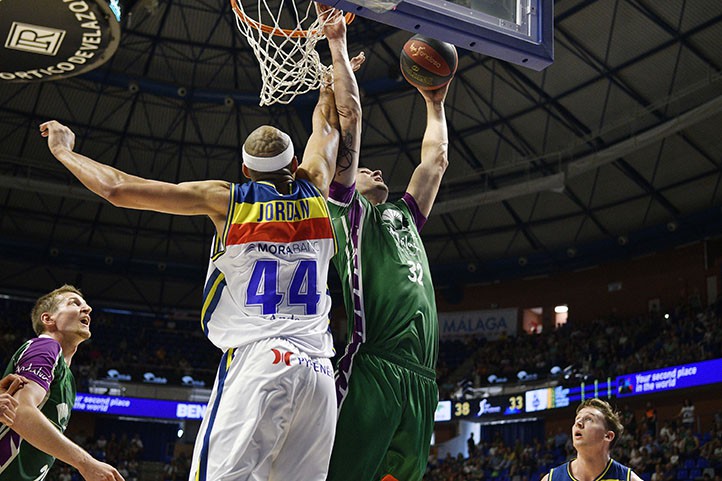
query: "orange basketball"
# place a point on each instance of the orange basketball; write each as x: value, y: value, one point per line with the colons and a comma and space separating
x: 427, y: 63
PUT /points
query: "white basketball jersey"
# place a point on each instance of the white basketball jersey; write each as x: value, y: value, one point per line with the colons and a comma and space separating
x: 268, y: 270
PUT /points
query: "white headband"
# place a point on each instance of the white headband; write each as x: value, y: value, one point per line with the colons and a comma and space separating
x: 270, y: 164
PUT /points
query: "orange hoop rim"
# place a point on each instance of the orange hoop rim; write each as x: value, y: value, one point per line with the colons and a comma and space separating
x: 276, y: 31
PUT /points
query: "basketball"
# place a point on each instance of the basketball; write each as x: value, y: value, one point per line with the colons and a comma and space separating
x: 427, y: 63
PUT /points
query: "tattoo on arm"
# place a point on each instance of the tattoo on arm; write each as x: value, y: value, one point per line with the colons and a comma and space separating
x: 345, y: 152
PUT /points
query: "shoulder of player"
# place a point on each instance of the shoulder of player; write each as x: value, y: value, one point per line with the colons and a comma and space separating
x: 634, y: 477
x: 215, y: 192
x: 43, y: 344
x: 209, y: 186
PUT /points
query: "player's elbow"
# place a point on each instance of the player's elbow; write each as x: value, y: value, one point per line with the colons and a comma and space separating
x: 439, y: 160
x: 442, y: 162
x: 115, y: 194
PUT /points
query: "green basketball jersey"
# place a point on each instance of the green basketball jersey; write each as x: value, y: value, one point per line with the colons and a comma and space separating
x: 387, y: 287
x: 40, y: 360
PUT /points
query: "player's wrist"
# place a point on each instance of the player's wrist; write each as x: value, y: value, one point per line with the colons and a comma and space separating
x: 60, y: 150
x: 83, y: 460
x: 336, y: 43
x: 435, y: 104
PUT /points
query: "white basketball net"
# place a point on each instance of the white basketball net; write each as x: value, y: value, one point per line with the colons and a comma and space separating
x: 290, y: 64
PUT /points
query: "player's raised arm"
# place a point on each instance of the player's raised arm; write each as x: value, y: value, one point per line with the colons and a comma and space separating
x: 319, y: 157
x: 348, y: 99
x: 125, y: 190
x: 426, y: 179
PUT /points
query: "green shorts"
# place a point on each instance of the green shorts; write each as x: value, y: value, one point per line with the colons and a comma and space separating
x: 385, y: 422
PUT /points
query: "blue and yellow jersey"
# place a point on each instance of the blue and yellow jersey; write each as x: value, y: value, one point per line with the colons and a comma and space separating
x: 268, y: 269
x: 614, y: 471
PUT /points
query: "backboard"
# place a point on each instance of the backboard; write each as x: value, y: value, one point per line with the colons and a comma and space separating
x: 517, y: 31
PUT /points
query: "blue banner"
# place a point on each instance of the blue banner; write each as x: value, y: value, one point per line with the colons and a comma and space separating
x: 139, y: 407
x: 668, y: 378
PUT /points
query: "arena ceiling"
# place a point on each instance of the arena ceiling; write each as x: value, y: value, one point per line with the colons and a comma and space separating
x: 611, y: 152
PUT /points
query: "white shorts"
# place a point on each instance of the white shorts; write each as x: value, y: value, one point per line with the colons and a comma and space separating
x: 271, y: 416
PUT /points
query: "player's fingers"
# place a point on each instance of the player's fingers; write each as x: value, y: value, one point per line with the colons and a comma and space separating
x: 335, y: 16
x: 45, y: 129
x: 7, y: 415
x: 16, y: 385
x: 8, y: 401
x: 357, y: 61
x: 47, y: 125
x: 328, y: 14
x: 321, y: 9
x: 8, y: 380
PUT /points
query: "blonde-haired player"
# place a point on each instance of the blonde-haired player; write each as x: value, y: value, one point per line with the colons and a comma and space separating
x: 595, y: 430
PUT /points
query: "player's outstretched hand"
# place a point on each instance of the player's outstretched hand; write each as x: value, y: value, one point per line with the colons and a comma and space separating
x: 59, y: 136
x: 335, y: 24
x: 95, y: 470
x: 437, y: 95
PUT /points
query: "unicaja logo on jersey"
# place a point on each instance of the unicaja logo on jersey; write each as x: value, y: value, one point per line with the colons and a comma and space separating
x: 399, y: 229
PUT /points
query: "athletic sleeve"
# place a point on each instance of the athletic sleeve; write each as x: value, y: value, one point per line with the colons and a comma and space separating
x: 341, y: 194
x: 419, y: 218
x: 38, y: 361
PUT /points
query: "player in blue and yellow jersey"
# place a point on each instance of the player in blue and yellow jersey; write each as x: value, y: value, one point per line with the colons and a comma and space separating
x: 595, y: 430
x: 272, y: 410
x: 30, y: 445
x: 385, y: 380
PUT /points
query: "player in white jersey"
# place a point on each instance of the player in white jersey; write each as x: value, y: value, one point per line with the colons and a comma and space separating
x: 265, y: 305
x: 250, y: 429
x: 272, y: 411
x: 267, y: 272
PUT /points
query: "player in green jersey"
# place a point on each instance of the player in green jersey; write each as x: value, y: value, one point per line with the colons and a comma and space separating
x: 386, y: 380
x: 28, y: 449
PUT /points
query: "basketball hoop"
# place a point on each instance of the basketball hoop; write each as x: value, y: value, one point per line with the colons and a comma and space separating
x: 290, y: 64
